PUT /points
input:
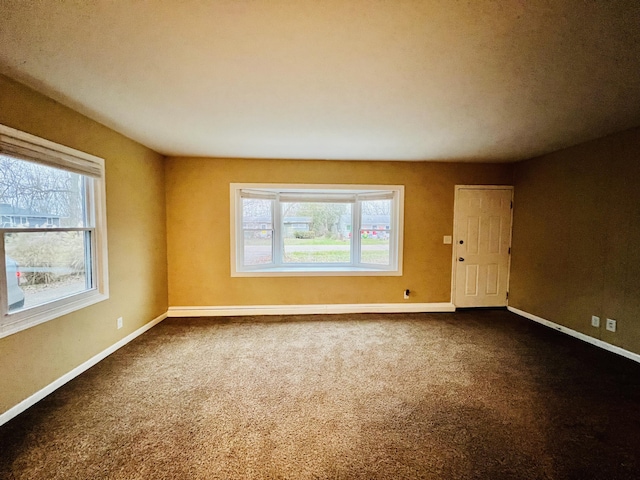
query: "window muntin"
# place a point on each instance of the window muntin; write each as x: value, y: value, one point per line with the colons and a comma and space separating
x: 311, y: 230
x: 53, y: 231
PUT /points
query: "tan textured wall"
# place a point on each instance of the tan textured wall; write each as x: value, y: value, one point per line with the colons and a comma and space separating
x: 198, y: 222
x: 31, y: 359
x: 576, y: 237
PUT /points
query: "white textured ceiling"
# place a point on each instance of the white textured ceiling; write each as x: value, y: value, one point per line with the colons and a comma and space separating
x: 475, y: 80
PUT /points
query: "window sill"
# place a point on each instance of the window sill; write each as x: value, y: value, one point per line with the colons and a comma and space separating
x: 23, y: 319
x: 318, y: 272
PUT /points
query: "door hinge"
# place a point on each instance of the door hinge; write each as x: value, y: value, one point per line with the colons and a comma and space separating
x: 507, y: 295
x: 511, y: 204
x: 509, y: 251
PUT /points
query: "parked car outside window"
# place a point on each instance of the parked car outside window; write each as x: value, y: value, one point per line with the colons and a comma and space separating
x: 15, y: 293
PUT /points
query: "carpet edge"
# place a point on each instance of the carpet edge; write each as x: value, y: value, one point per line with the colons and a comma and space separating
x: 580, y: 336
x: 53, y: 386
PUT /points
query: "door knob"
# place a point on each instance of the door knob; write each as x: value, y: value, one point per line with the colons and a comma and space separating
x: 461, y: 259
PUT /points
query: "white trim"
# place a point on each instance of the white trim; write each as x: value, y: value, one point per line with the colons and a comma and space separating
x: 580, y: 336
x: 31, y: 317
x: 316, y: 271
x: 242, y: 310
x: 454, y: 242
x: 40, y: 394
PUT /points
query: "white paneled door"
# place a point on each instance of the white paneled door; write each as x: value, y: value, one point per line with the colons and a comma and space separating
x: 482, y: 244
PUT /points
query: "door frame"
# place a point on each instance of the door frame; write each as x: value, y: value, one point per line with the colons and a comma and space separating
x: 454, y: 243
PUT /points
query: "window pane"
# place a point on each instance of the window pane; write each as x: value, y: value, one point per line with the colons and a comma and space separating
x: 376, y: 215
x: 34, y: 195
x: 257, y: 214
x: 46, y: 266
x: 258, y: 247
x: 316, y: 232
x: 374, y: 245
x: 375, y: 231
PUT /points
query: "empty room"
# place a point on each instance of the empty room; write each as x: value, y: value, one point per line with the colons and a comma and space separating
x: 310, y: 239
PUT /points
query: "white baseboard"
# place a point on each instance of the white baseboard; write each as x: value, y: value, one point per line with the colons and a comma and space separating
x: 581, y: 336
x: 40, y: 394
x: 248, y: 310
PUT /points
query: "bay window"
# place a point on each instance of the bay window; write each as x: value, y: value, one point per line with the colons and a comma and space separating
x: 316, y: 230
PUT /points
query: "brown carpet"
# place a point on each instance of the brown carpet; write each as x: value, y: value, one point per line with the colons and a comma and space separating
x: 475, y: 394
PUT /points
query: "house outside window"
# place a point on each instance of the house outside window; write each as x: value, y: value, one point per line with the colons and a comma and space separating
x: 309, y: 230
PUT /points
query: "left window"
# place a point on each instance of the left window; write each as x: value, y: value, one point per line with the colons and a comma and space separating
x: 52, y: 232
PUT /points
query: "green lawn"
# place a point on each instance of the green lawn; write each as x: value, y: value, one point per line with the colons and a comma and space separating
x: 314, y: 241
x: 332, y: 256
x: 335, y: 256
x: 329, y: 256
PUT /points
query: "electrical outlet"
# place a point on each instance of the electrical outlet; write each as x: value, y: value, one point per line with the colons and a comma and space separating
x: 406, y: 294
x: 595, y: 321
x: 119, y: 323
x: 611, y: 324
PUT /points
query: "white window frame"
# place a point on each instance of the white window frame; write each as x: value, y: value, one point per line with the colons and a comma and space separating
x: 24, y: 146
x: 363, y: 192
